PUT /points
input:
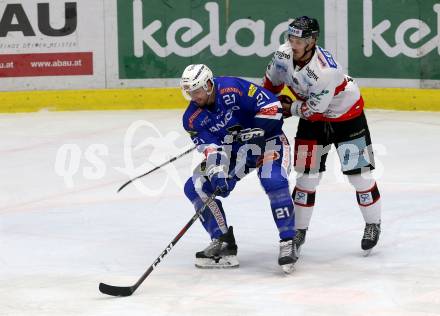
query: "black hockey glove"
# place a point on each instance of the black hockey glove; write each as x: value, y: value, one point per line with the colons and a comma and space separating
x: 286, y: 102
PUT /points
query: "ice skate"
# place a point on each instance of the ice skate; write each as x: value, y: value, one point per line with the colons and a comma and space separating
x: 370, y: 238
x: 288, y: 255
x: 299, y: 239
x: 220, y: 253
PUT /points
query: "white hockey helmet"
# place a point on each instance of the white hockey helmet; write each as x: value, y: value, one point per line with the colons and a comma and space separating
x: 194, y: 77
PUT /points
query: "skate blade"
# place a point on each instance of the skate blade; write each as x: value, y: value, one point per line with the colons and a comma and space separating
x: 288, y: 268
x: 227, y: 262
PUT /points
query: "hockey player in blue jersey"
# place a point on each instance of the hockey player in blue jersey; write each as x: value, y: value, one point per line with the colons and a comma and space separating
x: 237, y: 125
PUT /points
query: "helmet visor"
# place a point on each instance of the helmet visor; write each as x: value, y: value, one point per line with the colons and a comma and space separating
x: 294, y: 41
x: 192, y: 94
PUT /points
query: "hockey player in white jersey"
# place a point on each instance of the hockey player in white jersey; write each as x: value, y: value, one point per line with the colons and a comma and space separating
x: 330, y: 108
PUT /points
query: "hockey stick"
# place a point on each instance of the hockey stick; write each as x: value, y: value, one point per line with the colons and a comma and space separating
x: 158, y: 167
x: 128, y: 290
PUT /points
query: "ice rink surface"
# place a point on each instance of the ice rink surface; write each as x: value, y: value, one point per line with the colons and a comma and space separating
x: 63, y: 228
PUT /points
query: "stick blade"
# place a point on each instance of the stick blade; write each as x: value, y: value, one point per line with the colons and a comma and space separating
x: 123, y: 186
x: 115, y: 290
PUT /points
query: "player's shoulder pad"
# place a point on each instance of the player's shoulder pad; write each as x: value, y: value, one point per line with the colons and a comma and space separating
x: 191, y: 117
x: 325, y: 58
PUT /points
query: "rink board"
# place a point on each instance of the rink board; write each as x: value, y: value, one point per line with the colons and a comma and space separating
x: 407, y: 99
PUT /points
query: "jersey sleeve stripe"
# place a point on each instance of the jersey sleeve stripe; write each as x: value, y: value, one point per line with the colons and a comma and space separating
x: 277, y: 116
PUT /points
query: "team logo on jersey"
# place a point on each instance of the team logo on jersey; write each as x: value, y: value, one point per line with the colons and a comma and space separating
x: 222, y: 123
x: 311, y: 74
x: 231, y: 89
x: 295, y: 81
x: 252, y: 90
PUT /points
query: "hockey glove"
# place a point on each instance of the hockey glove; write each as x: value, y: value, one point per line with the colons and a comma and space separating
x: 286, y: 102
x: 219, y: 181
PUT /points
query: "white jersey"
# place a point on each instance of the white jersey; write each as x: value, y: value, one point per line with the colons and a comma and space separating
x: 321, y: 87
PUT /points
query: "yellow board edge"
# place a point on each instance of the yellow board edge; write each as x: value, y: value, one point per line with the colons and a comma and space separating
x: 406, y: 99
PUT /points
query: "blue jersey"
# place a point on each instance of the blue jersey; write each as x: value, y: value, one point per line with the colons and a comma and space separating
x: 238, y: 103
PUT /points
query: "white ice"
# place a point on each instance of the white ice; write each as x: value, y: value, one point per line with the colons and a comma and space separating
x: 61, y: 236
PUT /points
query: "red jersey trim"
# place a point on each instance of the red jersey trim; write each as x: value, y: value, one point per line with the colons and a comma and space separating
x: 352, y: 113
x: 341, y: 87
x: 269, y: 86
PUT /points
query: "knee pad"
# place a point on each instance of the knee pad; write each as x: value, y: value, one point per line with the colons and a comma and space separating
x: 303, y: 198
x: 368, y: 197
x: 367, y: 192
x: 305, y: 189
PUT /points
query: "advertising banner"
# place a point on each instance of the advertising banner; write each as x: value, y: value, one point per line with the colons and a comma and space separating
x: 398, y: 39
x: 157, y: 39
x: 43, y: 39
x: 46, y: 64
x: 94, y: 44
